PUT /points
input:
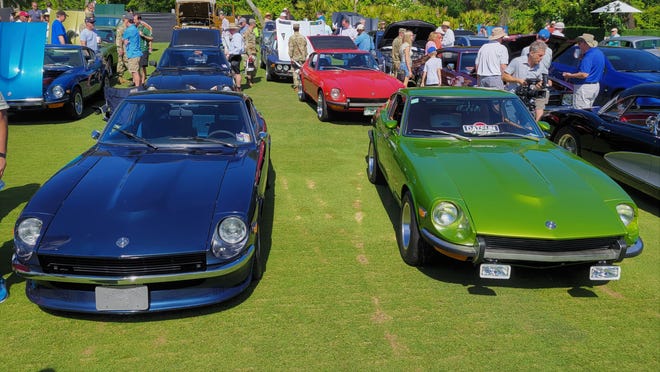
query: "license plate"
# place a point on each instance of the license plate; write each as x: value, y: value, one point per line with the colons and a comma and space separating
x: 494, y: 271
x: 605, y: 273
x: 131, y: 298
x: 368, y: 111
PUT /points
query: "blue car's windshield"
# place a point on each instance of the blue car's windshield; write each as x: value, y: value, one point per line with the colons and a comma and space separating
x: 469, y: 117
x: 207, y: 58
x: 62, y: 57
x: 178, y: 123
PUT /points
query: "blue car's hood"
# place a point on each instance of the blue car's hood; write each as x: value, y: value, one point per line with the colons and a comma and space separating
x: 181, y: 79
x: 163, y: 203
x: 22, y: 60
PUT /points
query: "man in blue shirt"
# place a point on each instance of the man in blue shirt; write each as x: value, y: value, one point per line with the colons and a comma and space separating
x: 363, y: 41
x: 587, y: 78
x: 58, y: 32
x: 132, y: 48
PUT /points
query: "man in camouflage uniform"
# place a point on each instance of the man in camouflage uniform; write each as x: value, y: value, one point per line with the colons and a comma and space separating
x: 122, y: 61
x: 297, y: 53
x: 251, y: 50
x: 396, y: 46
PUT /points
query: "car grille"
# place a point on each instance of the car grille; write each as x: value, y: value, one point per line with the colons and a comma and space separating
x: 130, y: 266
x: 543, y: 245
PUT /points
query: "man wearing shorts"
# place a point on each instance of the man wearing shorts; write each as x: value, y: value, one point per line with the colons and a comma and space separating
x: 132, y: 49
x: 236, y: 48
x: 145, y: 45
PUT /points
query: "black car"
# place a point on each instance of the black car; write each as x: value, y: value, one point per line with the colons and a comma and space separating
x: 621, y: 138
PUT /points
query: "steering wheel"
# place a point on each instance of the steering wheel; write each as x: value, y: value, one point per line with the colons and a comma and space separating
x: 223, y: 133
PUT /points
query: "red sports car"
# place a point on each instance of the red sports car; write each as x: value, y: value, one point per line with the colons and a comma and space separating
x: 344, y: 80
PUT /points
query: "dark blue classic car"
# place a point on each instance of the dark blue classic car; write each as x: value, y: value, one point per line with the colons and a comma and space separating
x: 162, y: 213
x: 192, y: 67
x: 39, y: 76
x: 621, y: 138
x: 275, y: 67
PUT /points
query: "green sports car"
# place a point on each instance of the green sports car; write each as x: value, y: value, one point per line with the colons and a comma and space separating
x: 477, y: 180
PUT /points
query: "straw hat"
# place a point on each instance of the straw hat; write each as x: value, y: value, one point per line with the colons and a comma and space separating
x: 497, y: 33
x: 589, y: 39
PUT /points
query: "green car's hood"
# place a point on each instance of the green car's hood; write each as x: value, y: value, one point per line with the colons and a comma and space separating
x: 514, y: 187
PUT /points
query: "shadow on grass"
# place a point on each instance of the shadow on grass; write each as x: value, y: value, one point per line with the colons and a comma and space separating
x: 266, y: 223
x: 643, y: 201
x: 448, y: 270
x: 54, y: 116
x: 339, y: 118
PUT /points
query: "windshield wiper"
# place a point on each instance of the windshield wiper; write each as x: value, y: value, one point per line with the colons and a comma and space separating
x: 438, y: 131
x: 134, y: 137
x: 206, y: 139
x: 525, y: 136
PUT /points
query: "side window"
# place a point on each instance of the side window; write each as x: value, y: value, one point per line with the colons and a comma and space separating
x: 396, y: 111
x: 253, y: 116
x: 313, y: 60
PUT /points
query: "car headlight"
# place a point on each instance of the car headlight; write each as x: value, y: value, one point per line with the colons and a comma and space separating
x: 278, y: 67
x: 226, y: 88
x: 230, y: 239
x: 286, y: 67
x: 335, y: 93
x: 452, y: 223
x: 58, y: 91
x: 626, y: 213
x: 27, y: 234
x: 445, y: 213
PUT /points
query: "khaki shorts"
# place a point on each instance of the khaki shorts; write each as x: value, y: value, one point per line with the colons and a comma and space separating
x: 3, y: 103
x: 134, y: 64
x: 542, y: 101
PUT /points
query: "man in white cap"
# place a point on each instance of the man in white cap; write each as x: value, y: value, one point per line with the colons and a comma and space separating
x: 363, y: 40
x: 559, y: 29
x: 234, y: 54
x: 492, y: 60
x: 447, y: 34
x: 586, y: 80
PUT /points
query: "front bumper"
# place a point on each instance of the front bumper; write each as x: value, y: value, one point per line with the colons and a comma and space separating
x: 352, y: 104
x: 482, y: 252
x: 36, y: 104
x: 166, y: 292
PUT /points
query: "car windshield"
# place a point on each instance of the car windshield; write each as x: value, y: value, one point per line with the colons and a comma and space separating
x: 636, y: 110
x: 207, y: 123
x: 467, y: 62
x: 193, y: 58
x: 472, y: 117
x: 106, y: 35
x: 346, y: 61
x: 62, y: 57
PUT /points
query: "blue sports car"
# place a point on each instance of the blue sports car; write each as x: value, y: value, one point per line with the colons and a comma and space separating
x: 39, y: 76
x: 192, y: 67
x: 162, y: 213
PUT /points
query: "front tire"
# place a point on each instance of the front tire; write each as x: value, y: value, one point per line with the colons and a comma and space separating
x: 412, y: 247
x: 76, y: 106
x: 257, y: 260
x: 269, y: 75
x: 373, y: 169
x: 302, y: 96
x: 568, y: 139
x: 322, y: 108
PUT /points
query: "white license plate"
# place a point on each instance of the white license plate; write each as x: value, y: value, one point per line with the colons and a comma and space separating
x: 604, y: 272
x: 368, y: 111
x: 494, y: 271
x: 131, y: 298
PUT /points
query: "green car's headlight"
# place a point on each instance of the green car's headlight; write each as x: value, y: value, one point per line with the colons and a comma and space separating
x: 445, y: 214
x: 626, y: 213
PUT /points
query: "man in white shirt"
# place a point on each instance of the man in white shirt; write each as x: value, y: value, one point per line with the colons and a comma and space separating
x: 234, y: 52
x: 347, y: 29
x: 492, y: 60
x: 447, y: 34
x: 559, y: 29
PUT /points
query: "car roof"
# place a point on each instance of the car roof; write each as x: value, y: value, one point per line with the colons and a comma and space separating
x: 457, y: 92
x: 352, y: 51
x: 196, y: 36
x: 646, y: 89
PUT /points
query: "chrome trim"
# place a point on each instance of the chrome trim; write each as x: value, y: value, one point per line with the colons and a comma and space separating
x: 463, y: 250
x: 538, y: 256
x: 104, y: 280
x: 635, y: 249
x: 350, y: 105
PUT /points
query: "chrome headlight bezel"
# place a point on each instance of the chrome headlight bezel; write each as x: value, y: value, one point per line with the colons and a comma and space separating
x: 444, y: 214
x: 230, y: 237
x: 57, y: 91
x: 451, y: 221
x: 26, y: 236
x: 335, y: 93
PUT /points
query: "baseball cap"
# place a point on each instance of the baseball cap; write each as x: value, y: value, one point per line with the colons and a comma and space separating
x: 360, y: 27
x: 61, y: 13
x: 90, y: 20
x: 128, y: 16
x: 559, y: 25
x: 431, y: 50
x: 544, y: 34
x: 23, y: 13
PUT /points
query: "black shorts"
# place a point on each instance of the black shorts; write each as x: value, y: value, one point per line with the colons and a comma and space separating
x: 235, y: 61
x: 144, y: 60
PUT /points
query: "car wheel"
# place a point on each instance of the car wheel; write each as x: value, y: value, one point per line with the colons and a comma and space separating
x: 322, y: 108
x: 302, y: 96
x: 269, y: 75
x: 257, y: 260
x: 412, y: 247
x: 76, y: 106
x: 373, y: 169
x: 568, y: 139
x: 262, y: 63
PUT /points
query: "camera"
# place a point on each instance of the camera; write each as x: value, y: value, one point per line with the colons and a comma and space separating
x: 530, y: 92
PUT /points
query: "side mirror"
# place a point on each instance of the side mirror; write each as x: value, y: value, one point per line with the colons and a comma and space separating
x: 545, y: 126
x: 263, y: 136
x: 96, y: 134
x: 152, y: 63
x: 390, y: 124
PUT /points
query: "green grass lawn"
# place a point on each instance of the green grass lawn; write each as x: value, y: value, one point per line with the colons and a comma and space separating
x: 335, y: 294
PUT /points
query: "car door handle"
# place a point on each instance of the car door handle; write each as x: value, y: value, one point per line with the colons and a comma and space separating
x: 603, y: 129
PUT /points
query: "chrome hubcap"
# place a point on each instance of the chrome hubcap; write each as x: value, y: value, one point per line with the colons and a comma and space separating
x: 568, y: 142
x: 405, y: 225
